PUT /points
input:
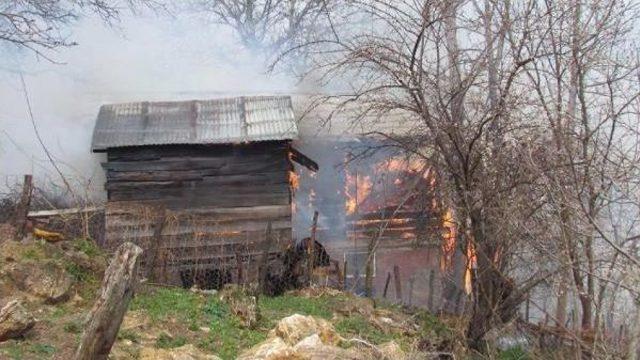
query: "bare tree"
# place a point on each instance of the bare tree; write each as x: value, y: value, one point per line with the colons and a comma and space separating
x: 525, y: 109
x: 586, y: 89
x: 468, y: 119
x: 271, y: 25
x: 43, y: 25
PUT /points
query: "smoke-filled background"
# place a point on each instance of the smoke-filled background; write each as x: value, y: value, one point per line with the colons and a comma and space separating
x: 153, y: 55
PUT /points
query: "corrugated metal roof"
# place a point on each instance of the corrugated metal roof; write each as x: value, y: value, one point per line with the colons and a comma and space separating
x: 216, y: 121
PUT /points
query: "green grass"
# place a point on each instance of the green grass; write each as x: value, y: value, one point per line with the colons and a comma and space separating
x: 516, y: 353
x: 164, y: 303
x: 228, y: 336
x: 73, y: 327
x: 275, y: 308
x: 87, y: 246
x: 78, y: 272
x: 358, y: 325
x: 128, y: 334
x: 26, y: 350
x: 166, y: 341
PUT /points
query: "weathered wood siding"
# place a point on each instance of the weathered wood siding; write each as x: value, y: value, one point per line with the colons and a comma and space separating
x: 216, y: 202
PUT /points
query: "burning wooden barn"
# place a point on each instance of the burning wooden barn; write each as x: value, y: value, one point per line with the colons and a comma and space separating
x: 196, y: 184
x: 381, y: 213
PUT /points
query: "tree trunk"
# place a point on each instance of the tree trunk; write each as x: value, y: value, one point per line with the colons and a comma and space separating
x: 105, y: 318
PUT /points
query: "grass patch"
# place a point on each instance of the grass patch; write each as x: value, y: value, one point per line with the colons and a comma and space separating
x: 72, y: 327
x: 515, y: 353
x: 228, y: 336
x: 165, y: 341
x: 58, y: 312
x: 128, y: 334
x: 160, y: 304
x: 86, y: 246
x: 275, y: 308
x: 358, y: 325
x: 27, y: 350
x: 78, y: 273
x: 12, y: 351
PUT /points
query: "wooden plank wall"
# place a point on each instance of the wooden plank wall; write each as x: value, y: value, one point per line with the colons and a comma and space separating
x: 216, y: 202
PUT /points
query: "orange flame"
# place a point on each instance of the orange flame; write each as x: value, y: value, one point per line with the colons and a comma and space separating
x: 362, y: 186
x: 448, y: 240
x: 294, y: 180
x: 471, y: 264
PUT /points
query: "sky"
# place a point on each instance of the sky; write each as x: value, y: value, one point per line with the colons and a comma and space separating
x: 144, y: 58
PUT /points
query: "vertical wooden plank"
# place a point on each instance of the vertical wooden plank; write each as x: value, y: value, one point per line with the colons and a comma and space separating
x: 386, y: 285
x: 156, y: 242
x: 411, y: 281
x: 396, y: 278
x: 20, y: 220
x: 344, y: 273
x: 311, y: 246
x: 262, y: 268
x: 368, y: 279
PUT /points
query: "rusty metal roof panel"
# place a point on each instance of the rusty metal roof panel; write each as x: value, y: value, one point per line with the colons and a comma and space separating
x: 217, y: 121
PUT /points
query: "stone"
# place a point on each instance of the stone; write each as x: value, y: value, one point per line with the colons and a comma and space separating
x: 15, y: 321
x: 46, y: 280
x: 296, y: 327
x: 274, y: 348
x: 185, y: 352
x: 312, y: 348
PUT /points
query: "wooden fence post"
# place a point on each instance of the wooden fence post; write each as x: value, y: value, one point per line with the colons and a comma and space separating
x: 104, y: 320
x: 311, y: 248
x: 386, y: 285
x: 344, y: 274
x: 396, y: 279
x: 22, y: 210
x: 156, y: 242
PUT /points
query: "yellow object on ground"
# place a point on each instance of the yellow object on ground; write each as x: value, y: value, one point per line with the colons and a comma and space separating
x: 48, y: 235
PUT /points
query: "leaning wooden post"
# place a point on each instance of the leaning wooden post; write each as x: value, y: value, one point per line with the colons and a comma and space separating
x: 396, y: 279
x: 118, y: 287
x: 311, y: 246
x: 386, y: 285
x: 20, y: 220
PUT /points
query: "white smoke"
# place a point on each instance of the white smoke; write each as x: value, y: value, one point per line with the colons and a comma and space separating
x: 146, y: 57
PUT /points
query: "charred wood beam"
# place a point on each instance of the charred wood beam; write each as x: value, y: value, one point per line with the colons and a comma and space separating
x: 303, y: 160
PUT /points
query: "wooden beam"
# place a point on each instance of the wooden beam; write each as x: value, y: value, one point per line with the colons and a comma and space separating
x: 398, y: 284
x: 303, y: 160
x: 311, y: 247
x: 108, y: 311
x: 63, y: 212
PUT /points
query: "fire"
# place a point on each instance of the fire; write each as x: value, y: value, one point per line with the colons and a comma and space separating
x: 401, y: 165
x: 294, y: 180
x: 448, y: 240
x: 471, y: 264
x: 362, y: 186
x: 350, y: 206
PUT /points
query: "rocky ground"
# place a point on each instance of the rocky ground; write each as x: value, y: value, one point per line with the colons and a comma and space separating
x: 47, y: 289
